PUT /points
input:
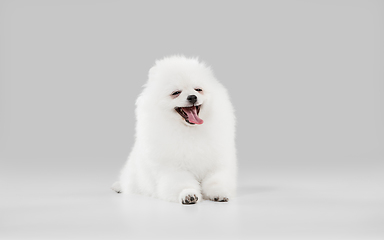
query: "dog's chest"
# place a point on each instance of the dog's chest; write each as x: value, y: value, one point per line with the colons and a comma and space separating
x: 198, y: 158
x: 195, y: 155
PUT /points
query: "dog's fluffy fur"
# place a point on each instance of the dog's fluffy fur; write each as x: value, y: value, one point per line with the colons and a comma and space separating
x: 175, y: 159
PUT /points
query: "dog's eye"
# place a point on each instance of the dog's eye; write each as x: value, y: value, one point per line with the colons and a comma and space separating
x: 198, y: 89
x: 176, y: 93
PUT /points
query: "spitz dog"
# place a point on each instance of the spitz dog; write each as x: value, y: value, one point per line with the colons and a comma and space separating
x: 185, y: 136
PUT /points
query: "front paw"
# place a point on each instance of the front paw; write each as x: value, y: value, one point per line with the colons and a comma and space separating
x: 217, y: 197
x: 189, y: 196
x: 220, y: 199
x: 216, y: 193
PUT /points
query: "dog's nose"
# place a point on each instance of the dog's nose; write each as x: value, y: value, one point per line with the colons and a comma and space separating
x: 192, y: 99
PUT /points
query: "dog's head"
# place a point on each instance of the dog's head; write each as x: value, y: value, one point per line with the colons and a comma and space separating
x: 180, y: 88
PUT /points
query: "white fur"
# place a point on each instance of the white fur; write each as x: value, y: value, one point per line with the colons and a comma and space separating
x: 172, y: 159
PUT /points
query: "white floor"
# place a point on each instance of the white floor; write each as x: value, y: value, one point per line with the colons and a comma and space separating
x: 272, y: 203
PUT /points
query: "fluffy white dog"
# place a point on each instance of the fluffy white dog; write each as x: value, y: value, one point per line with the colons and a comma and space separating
x: 185, y: 136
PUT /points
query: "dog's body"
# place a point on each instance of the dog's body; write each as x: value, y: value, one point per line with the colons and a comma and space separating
x: 185, y: 136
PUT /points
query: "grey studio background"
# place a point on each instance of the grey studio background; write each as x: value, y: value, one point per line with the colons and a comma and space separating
x: 306, y: 79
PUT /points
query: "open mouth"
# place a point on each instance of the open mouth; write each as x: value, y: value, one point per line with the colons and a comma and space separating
x: 190, y: 114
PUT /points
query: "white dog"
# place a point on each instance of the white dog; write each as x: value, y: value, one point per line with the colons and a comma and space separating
x: 185, y: 136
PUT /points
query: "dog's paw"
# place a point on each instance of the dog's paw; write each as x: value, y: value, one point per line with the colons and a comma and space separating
x: 189, y: 199
x: 220, y: 199
x: 217, y: 194
x: 190, y: 196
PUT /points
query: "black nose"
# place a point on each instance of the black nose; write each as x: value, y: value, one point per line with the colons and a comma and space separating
x: 192, y: 99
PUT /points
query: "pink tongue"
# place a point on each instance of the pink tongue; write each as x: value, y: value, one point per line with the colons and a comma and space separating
x: 192, y: 115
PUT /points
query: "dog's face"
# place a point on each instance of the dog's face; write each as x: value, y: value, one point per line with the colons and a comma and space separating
x: 188, y: 102
x: 180, y: 89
